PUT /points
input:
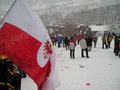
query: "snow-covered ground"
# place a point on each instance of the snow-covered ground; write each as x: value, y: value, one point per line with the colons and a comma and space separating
x: 99, y: 72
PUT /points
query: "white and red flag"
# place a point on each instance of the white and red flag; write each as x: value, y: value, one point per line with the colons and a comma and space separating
x: 25, y: 40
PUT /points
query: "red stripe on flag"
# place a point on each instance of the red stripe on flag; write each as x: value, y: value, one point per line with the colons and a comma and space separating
x: 22, y: 49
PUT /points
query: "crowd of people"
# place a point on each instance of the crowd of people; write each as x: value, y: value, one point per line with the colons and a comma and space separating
x: 87, y: 42
x: 106, y: 42
x: 70, y: 42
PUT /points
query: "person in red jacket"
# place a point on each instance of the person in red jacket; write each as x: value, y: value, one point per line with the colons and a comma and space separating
x: 72, y: 45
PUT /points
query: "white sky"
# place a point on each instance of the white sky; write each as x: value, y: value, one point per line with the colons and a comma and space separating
x: 5, y: 4
x: 34, y: 2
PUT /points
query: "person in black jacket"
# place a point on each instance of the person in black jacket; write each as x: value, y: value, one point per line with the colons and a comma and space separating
x: 89, y: 42
x: 66, y: 41
x: 10, y: 79
x: 116, y: 45
x: 6, y: 74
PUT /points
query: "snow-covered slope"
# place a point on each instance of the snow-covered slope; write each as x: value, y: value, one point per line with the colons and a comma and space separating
x: 99, y: 72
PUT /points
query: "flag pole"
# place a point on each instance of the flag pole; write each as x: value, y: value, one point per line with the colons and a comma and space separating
x: 2, y: 22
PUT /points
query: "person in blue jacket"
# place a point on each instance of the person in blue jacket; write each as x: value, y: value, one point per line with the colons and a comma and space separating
x: 59, y: 40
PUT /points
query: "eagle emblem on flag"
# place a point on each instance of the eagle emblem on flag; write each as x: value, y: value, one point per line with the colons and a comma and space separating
x: 47, y: 50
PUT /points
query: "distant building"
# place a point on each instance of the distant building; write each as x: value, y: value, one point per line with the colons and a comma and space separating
x: 100, y: 29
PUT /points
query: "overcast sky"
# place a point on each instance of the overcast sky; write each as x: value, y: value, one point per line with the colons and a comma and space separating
x: 34, y: 2
x: 6, y: 4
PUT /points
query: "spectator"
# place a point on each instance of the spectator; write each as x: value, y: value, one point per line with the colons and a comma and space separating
x: 89, y: 43
x: 104, y: 40
x: 83, y: 45
x: 109, y: 39
x: 59, y: 40
x: 95, y: 38
x: 66, y: 41
x: 72, y: 45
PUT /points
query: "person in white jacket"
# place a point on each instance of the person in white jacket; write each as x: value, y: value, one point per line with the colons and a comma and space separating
x: 83, y: 47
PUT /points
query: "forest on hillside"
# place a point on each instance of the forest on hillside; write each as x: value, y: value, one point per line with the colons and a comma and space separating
x: 97, y: 16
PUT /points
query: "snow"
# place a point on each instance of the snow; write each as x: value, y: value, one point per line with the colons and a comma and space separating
x: 99, y: 72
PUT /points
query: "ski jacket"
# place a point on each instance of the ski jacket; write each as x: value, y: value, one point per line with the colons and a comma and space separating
x: 83, y: 44
x: 72, y: 44
x: 104, y: 39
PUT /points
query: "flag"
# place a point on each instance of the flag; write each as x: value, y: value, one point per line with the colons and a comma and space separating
x: 25, y: 40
